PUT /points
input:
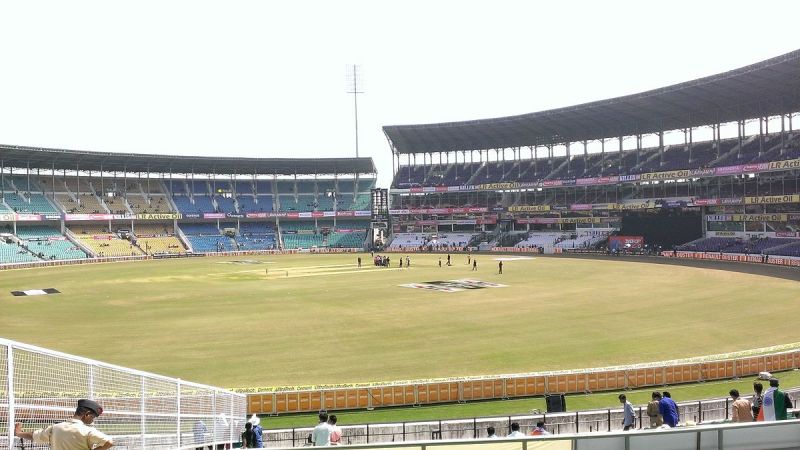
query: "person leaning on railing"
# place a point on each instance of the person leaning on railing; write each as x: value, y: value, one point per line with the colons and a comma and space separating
x: 77, y: 433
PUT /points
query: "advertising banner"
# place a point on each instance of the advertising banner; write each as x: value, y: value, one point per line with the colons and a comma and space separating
x: 89, y: 216
x: 771, y: 199
x: 758, y: 217
x: 529, y: 208
x: 498, y: 186
x: 213, y: 215
x: 159, y: 216
x: 789, y: 164
x: 28, y: 217
x: 261, y: 215
x: 625, y: 242
x: 670, y: 175
x: 581, y: 207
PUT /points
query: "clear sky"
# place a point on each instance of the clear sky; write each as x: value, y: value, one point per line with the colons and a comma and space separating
x: 267, y: 78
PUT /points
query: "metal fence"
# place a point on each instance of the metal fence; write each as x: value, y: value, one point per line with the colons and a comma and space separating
x: 39, y: 387
x: 607, y: 420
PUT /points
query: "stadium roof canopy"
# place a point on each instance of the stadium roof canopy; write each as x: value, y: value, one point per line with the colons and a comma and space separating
x: 39, y: 158
x: 767, y: 88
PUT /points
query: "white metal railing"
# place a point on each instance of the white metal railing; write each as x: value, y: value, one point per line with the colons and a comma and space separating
x: 39, y: 387
x: 753, y: 435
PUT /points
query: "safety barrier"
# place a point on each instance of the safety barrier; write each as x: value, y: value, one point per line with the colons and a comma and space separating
x: 515, y: 386
x: 711, y: 411
x: 761, y: 435
x: 141, y: 410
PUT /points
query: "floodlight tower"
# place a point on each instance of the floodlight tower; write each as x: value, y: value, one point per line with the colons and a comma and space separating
x: 355, y: 79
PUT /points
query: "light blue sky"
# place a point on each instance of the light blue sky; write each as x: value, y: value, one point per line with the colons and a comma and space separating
x: 267, y: 78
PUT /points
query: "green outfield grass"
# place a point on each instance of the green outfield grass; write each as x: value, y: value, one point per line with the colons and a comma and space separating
x: 318, y: 319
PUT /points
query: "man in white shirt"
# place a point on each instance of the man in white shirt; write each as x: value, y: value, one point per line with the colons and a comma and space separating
x: 515, y: 433
x: 321, y: 436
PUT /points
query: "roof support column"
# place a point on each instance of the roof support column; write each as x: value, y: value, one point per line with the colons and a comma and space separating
x: 760, y: 135
x: 690, y: 144
x: 569, y: 159
x: 661, y: 148
x: 783, y: 133
x: 638, y: 147
x: 620, y: 154
x: 740, y: 135
x: 602, y: 155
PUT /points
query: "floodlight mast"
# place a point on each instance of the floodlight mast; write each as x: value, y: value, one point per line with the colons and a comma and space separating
x: 354, y: 79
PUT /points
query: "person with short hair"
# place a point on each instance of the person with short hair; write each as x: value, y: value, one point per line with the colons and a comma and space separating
x: 741, y: 409
x: 248, y: 437
x: 758, y: 398
x: 652, y: 411
x: 776, y: 403
x: 336, y: 432
x: 77, y: 433
x: 539, y: 430
x: 628, y: 415
x: 321, y: 436
x: 490, y: 433
x: 668, y: 410
x: 515, y: 433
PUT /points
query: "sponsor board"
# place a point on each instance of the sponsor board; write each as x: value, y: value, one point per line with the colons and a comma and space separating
x: 784, y: 165
x: 452, y: 285
x: 770, y: 199
x: 529, y: 208
x: 158, y: 216
x: 670, y: 175
x: 513, y: 258
x: 759, y: 217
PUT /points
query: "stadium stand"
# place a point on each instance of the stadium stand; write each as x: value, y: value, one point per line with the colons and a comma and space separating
x: 102, y: 242
x: 257, y: 236
x: 206, y: 237
x: 47, y: 243
x: 15, y: 253
x: 158, y: 239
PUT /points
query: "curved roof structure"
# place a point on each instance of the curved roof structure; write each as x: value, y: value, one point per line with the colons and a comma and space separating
x: 767, y: 88
x: 40, y: 158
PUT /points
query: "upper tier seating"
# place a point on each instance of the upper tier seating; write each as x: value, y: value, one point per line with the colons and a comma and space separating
x: 702, y: 154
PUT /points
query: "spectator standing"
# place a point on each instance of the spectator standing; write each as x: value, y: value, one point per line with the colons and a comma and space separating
x: 652, y: 411
x: 258, y: 432
x: 628, y: 417
x: 775, y: 404
x: 248, y: 437
x: 336, y: 432
x: 758, y: 398
x: 490, y: 434
x: 741, y: 410
x: 77, y: 433
x: 515, y: 433
x: 668, y: 410
x: 321, y: 436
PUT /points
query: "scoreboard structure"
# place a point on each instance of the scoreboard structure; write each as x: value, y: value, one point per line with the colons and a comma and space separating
x: 379, y: 207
